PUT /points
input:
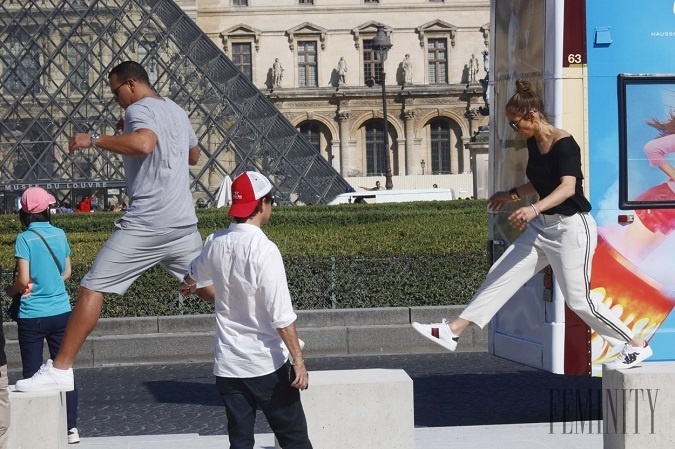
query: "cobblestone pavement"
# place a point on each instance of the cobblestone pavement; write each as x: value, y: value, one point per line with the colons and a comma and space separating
x: 450, y: 389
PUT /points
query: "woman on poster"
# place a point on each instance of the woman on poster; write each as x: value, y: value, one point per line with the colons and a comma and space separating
x: 660, y: 220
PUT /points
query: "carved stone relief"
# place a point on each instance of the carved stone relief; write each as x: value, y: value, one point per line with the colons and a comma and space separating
x: 307, y: 104
x: 343, y: 115
x: 369, y: 103
x: 423, y: 101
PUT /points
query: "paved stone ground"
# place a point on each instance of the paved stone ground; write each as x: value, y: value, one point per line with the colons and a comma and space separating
x: 451, y: 389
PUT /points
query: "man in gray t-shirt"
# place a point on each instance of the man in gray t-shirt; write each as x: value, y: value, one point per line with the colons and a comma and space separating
x: 158, y: 184
x: 160, y: 226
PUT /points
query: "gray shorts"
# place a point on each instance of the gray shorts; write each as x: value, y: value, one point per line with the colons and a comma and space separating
x: 130, y: 252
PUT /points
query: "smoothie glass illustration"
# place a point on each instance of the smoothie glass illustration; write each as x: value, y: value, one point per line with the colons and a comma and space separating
x: 637, y: 299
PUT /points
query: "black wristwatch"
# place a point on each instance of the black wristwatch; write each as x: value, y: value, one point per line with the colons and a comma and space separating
x: 514, y: 194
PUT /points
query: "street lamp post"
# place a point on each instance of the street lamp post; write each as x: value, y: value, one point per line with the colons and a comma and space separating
x: 381, y: 44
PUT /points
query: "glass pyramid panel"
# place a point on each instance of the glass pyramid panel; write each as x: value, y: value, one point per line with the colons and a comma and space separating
x: 55, y: 56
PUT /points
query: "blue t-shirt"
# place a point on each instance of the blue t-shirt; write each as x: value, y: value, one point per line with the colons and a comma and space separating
x: 48, y: 296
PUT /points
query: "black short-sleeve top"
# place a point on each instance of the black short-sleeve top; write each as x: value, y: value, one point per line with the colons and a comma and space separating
x: 545, y: 170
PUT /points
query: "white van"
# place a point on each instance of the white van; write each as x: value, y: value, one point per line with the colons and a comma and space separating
x: 394, y: 196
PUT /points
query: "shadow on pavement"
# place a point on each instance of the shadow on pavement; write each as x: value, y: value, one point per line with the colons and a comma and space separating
x: 184, y: 392
x: 505, y: 398
x: 450, y: 389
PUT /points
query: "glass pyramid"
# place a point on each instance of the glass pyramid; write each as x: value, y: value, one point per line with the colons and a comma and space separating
x: 55, y: 57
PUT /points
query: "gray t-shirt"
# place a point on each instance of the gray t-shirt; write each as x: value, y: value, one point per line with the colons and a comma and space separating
x: 158, y: 184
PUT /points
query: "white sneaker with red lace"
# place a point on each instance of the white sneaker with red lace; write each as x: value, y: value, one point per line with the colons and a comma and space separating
x: 438, y: 333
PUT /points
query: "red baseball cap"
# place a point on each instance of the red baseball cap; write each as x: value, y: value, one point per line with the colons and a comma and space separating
x: 36, y: 200
x: 247, y: 189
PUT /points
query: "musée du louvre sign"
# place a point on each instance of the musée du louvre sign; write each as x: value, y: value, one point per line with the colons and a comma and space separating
x: 61, y: 185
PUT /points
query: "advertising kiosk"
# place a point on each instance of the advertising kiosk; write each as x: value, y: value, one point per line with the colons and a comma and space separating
x: 606, y: 73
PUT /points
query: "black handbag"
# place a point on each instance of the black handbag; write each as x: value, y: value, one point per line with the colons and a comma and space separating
x: 13, y: 310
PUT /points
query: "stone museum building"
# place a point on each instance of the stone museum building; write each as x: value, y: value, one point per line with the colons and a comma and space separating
x: 315, y: 61
x: 255, y: 76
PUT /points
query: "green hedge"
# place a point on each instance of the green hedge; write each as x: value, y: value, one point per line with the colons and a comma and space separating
x: 354, y: 255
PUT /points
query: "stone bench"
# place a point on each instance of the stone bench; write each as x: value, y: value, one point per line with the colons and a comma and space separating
x: 639, y: 407
x: 357, y: 409
x: 38, y: 420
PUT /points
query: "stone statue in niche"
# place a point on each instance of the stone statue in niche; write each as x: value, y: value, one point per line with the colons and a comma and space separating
x: 277, y: 72
x: 473, y: 68
x: 342, y: 71
x: 407, y: 70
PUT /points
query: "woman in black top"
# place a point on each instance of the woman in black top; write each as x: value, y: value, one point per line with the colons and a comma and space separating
x: 558, y: 231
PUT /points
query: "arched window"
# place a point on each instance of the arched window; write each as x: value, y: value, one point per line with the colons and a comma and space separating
x: 440, y: 146
x: 376, y: 162
x: 312, y: 132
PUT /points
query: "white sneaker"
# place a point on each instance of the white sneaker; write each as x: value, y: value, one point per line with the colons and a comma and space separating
x: 73, y: 436
x: 629, y: 357
x: 48, y: 378
x: 438, y: 333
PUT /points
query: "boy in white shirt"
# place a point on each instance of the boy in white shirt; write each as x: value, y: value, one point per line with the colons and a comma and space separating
x: 255, y: 322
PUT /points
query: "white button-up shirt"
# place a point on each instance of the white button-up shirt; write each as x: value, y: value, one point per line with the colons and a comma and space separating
x: 252, y: 300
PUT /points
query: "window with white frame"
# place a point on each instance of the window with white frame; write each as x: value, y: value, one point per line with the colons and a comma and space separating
x: 240, y: 2
x: 149, y: 62
x: 77, y: 60
x: 20, y: 64
x: 241, y: 57
x: 307, y: 64
x: 437, y: 51
x: 372, y: 68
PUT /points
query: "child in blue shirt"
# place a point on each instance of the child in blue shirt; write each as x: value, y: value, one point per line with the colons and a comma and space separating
x: 43, y: 264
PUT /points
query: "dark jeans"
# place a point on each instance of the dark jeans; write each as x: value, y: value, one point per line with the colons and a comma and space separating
x: 276, y: 398
x: 32, y: 334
